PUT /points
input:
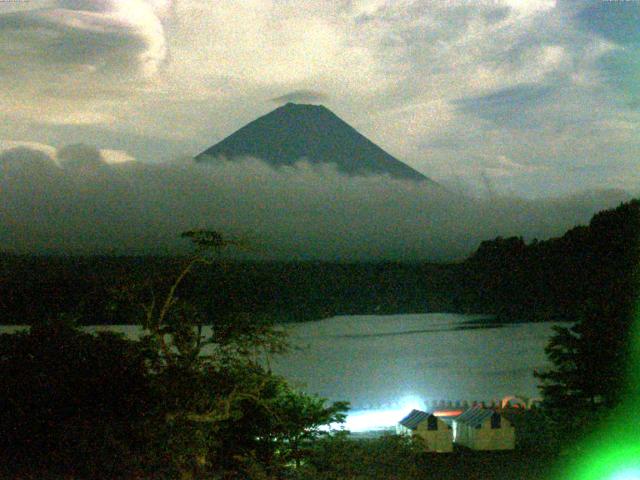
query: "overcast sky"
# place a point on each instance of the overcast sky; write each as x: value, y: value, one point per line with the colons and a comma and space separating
x: 533, y: 97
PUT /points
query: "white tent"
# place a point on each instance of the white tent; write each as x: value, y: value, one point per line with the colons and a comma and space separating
x: 431, y: 431
x: 483, y: 429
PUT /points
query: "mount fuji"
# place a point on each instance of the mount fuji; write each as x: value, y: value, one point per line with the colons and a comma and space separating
x: 314, y: 133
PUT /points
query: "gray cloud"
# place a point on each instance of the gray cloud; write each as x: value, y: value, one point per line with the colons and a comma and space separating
x: 507, y: 107
x: 78, y: 203
x: 620, y: 70
x: 110, y: 37
x: 427, y: 80
x: 617, y: 21
x: 301, y: 96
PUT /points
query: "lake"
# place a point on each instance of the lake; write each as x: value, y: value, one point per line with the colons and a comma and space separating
x: 387, y: 365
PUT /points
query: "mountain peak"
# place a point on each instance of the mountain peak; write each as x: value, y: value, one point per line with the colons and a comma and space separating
x: 292, y: 105
x: 296, y: 131
x: 303, y: 108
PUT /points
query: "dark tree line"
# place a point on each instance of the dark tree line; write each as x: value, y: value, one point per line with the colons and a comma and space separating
x: 191, y: 399
x: 593, y: 358
x: 561, y: 279
x: 589, y: 277
x: 554, y: 279
x: 283, y: 291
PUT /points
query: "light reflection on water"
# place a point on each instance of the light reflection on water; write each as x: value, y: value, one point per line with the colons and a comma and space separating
x: 377, y: 361
x: 388, y: 365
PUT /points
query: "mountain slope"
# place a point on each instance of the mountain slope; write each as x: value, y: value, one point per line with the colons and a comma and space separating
x: 295, y: 131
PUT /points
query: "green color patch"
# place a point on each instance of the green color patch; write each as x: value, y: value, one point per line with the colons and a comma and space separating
x: 613, y: 451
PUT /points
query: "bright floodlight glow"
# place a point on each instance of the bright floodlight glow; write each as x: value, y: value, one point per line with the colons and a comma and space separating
x: 626, y: 474
x: 365, y: 420
x: 612, y: 455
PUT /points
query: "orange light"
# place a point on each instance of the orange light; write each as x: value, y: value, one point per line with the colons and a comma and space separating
x: 447, y: 413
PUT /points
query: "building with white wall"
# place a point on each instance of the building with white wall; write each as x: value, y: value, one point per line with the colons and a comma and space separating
x: 483, y: 429
x: 431, y: 431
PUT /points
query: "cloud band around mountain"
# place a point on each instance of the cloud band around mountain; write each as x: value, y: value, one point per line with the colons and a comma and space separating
x: 79, y: 203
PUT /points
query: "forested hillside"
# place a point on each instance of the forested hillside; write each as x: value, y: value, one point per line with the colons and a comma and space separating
x: 98, y: 289
x: 589, y: 267
x: 557, y: 279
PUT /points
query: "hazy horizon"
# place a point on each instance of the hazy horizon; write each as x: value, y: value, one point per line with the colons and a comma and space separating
x: 79, y: 200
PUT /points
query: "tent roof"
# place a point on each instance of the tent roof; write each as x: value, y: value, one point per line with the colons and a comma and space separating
x: 412, y: 420
x: 475, y: 416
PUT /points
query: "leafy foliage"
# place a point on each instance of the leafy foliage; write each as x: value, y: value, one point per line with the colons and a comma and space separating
x: 224, y: 412
x: 72, y: 403
x: 341, y: 457
x: 299, y: 421
x: 191, y: 399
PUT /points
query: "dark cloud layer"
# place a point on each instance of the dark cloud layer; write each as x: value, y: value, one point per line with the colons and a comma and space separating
x: 79, y: 203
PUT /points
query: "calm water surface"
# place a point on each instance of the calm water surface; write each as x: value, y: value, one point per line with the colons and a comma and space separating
x: 378, y: 360
x: 386, y: 365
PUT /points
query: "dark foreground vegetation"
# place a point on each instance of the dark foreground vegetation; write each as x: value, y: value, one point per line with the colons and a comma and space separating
x: 187, y: 404
x: 178, y: 403
x: 78, y: 406
x: 399, y: 458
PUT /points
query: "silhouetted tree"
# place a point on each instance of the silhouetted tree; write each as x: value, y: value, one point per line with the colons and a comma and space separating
x: 224, y: 412
x: 193, y: 398
x: 72, y: 403
x: 591, y: 357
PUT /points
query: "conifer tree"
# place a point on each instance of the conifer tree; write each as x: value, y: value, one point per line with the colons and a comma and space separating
x: 591, y: 358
